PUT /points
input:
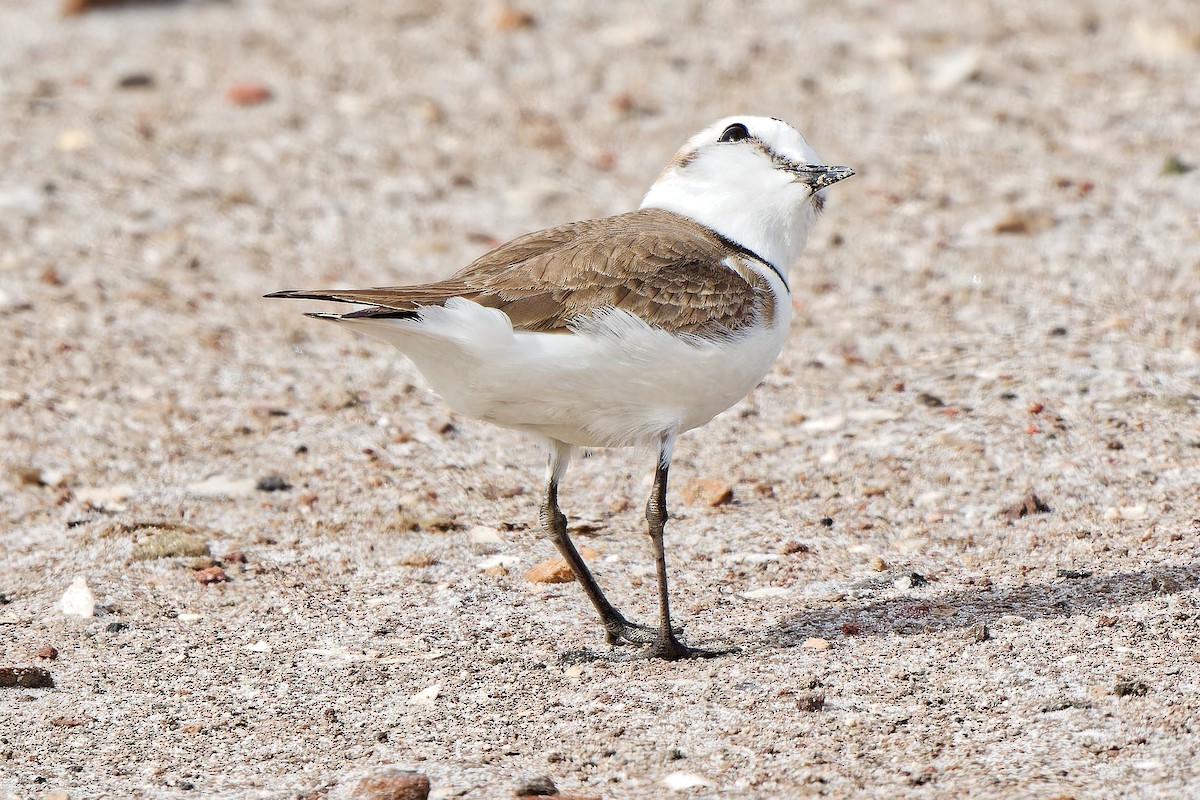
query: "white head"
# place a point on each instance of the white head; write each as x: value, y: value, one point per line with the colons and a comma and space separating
x: 754, y: 180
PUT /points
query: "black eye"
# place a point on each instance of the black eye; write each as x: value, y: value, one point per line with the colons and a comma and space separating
x: 735, y: 133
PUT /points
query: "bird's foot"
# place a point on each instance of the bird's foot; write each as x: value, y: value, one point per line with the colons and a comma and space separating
x: 620, y: 631
x: 670, y: 648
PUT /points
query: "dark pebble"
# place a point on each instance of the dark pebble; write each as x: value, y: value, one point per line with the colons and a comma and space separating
x: 1074, y: 574
x: 1130, y: 689
x: 933, y: 401
x: 136, y: 80
x: 26, y: 678
x: 48, y: 652
x: 272, y: 483
x: 540, y: 786
x: 827, y: 522
x: 812, y: 701
x: 116, y: 627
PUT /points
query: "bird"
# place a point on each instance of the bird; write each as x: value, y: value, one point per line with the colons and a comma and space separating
x: 624, y: 331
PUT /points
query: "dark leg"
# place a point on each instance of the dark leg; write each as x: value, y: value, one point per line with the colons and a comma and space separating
x: 554, y: 522
x: 665, y: 645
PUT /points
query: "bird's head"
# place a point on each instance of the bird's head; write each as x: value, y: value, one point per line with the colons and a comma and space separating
x: 754, y: 180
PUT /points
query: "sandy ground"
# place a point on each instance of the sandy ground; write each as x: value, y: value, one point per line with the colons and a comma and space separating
x: 1004, y: 298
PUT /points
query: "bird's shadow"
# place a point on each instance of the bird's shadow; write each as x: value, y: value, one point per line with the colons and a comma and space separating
x: 929, y: 610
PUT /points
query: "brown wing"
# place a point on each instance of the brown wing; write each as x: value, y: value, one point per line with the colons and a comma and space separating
x: 659, y: 266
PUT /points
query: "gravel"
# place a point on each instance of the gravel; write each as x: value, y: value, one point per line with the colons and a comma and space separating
x: 1005, y: 296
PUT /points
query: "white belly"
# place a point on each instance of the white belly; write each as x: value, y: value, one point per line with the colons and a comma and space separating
x: 614, y: 382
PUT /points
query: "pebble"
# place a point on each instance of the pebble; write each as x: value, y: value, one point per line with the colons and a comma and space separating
x: 540, y: 786
x: 248, y: 93
x: 482, y: 534
x: 392, y: 784
x: 224, y: 486
x: 425, y: 697
x: 174, y: 542
x: 878, y: 564
x: 25, y: 678
x: 810, y: 701
x: 1128, y: 513
x: 78, y: 600
x: 136, y: 80
x: 417, y: 558
x: 211, y: 575
x: 1130, y: 689
x: 681, y: 781
x: 73, y: 141
x: 977, y: 633
x: 48, y: 652
x: 104, y: 498
x: 1164, y: 584
x: 510, y: 18
x: 817, y: 643
x: 711, y: 492
x: 272, y: 483
x: 556, y: 570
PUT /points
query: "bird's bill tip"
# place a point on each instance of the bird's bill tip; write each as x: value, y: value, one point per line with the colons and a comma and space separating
x: 818, y: 176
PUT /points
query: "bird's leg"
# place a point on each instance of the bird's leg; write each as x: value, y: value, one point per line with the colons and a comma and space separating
x: 554, y: 522
x: 665, y: 644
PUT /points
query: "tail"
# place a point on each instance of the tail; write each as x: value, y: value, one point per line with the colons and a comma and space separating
x: 347, y: 296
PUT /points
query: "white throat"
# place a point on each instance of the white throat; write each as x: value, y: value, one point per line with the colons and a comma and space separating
x: 771, y: 220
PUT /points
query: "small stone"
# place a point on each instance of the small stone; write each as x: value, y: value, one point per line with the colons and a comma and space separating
x: 1130, y: 689
x: 25, y: 678
x: 426, y: 696
x: 416, y: 558
x: 104, y: 498
x: 510, y: 18
x: 116, y: 627
x: 224, y: 486
x: 272, y: 483
x: 496, y: 571
x: 1074, y: 574
x: 392, y: 784
x: 174, y: 542
x: 930, y: 400
x: 1029, y: 504
x: 1022, y: 222
x: 211, y: 575
x: 78, y: 600
x: 556, y: 570
x: 73, y: 141
x: 977, y: 633
x: 234, y: 557
x: 540, y: 786
x: 878, y: 564
x: 817, y: 643
x: 679, y: 781
x: 48, y: 652
x: 711, y: 492
x: 136, y: 80
x: 482, y: 534
x: 1174, y: 165
x: 793, y: 547
x: 248, y: 93
x: 1164, y: 584
x: 810, y: 701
